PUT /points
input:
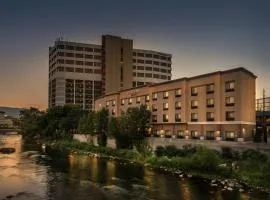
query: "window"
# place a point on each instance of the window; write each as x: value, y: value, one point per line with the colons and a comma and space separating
x: 154, y: 107
x: 147, y: 98
x: 140, y: 68
x: 140, y: 61
x: 194, y: 117
x: 180, y: 134
x: 130, y: 101
x: 210, y: 116
x: 88, y: 71
x: 178, y: 105
x: 138, y: 100
x: 113, y: 102
x: 79, y: 62
x: 178, y: 117
x: 154, y: 118
x: 148, y: 75
x: 89, y: 49
x: 148, y: 55
x: 194, y: 104
x: 165, y: 106
x: 69, y: 54
x: 210, y: 135
x: 79, y: 55
x: 210, y: 88
x: 97, y: 71
x: 165, y: 95
x: 154, y: 96
x: 194, y: 91
x: 230, y: 115
x: 148, y: 62
x: 122, y: 101
x: 194, y: 134
x: 156, y: 56
x: 178, y: 93
x: 148, y: 68
x: 140, y: 74
x: 79, y: 70
x: 147, y: 107
x: 156, y: 63
x: 230, y: 135
x: 97, y: 50
x: 79, y: 48
x: 113, y: 111
x: 156, y: 76
x: 230, y: 86
x: 210, y: 103
x: 165, y: 118
x: 156, y: 69
x: 69, y: 61
x: 107, y: 103
x: 229, y: 101
x: 69, y: 69
x: 140, y: 54
x: 168, y: 134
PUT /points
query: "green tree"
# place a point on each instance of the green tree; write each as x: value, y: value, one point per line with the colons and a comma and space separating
x: 102, y: 121
x: 86, y: 125
x: 29, y: 123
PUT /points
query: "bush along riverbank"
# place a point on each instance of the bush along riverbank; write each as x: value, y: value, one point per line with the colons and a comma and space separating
x: 227, y: 170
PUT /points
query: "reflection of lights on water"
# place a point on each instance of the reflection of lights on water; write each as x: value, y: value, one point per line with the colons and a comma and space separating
x: 148, y: 177
x: 111, y: 171
x: 185, y: 190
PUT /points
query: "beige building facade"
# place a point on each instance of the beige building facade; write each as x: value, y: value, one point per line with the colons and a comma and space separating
x: 214, y: 106
x: 79, y: 72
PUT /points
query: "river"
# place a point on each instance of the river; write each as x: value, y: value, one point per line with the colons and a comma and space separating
x: 31, y: 174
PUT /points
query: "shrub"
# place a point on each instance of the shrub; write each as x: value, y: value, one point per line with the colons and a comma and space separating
x: 171, y: 151
x: 205, y: 159
x: 226, y: 152
x: 189, y: 149
x: 160, y: 151
x: 254, y: 155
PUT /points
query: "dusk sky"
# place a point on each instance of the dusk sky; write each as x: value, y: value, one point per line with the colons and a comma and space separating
x: 203, y: 36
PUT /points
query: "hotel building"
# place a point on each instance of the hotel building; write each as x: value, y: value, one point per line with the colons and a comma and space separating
x: 79, y: 73
x: 213, y: 106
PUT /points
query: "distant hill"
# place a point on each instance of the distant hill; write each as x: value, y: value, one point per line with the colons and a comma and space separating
x: 13, y: 112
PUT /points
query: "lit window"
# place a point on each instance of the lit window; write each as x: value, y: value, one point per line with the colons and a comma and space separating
x: 194, y: 91
x: 210, y: 116
x: 147, y: 98
x: 194, y: 104
x: 180, y: 133
x: 154, y: 107
x: 113, y: 102
x: 107, y: 103
x: 230, y: 135
x: 165, y: 118
x: 229, y: 86
x: 230, y: 115
x: 165, y: 95
x: 178, y: 117
x: 154, y: 118
x: 130, y: 101
x: 122, y: 101
x: 178, y: 93
x: 194, y: 134
x: 113, y: 111
x: 165, y: 106
x: 147, y: 107
x: 154, y: 96
x: 178, y: 105
x: 194, y: 117
x: 210, y: 103
x: 138, y: 100
x: 230, y: 101
x: 210, y: 88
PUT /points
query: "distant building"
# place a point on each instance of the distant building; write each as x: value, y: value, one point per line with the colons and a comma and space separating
x: 79, y: 73
x: 262, y: 118
x: 214, y: 106
x: 5, y: 122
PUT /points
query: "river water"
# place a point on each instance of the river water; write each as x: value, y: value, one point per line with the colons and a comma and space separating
x: 31, y: 174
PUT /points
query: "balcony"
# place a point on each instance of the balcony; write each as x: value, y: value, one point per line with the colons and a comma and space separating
x: 194, y: 120
x: 154, y: 109
x: 194, y: 107
x: 194, y: 94
x: 210, y: 119
x: 177, y: 120
x: 210, y: 92
x: 154, y: 120
x: 165, y: 108
x: 178, y: 108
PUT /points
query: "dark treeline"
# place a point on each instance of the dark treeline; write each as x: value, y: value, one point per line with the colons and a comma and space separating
x: 61, y: 122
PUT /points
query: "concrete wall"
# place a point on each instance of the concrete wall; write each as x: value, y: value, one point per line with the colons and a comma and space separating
x: 179, y: 143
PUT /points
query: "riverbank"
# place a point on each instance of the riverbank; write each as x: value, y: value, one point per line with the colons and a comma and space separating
x: 186, y: 163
